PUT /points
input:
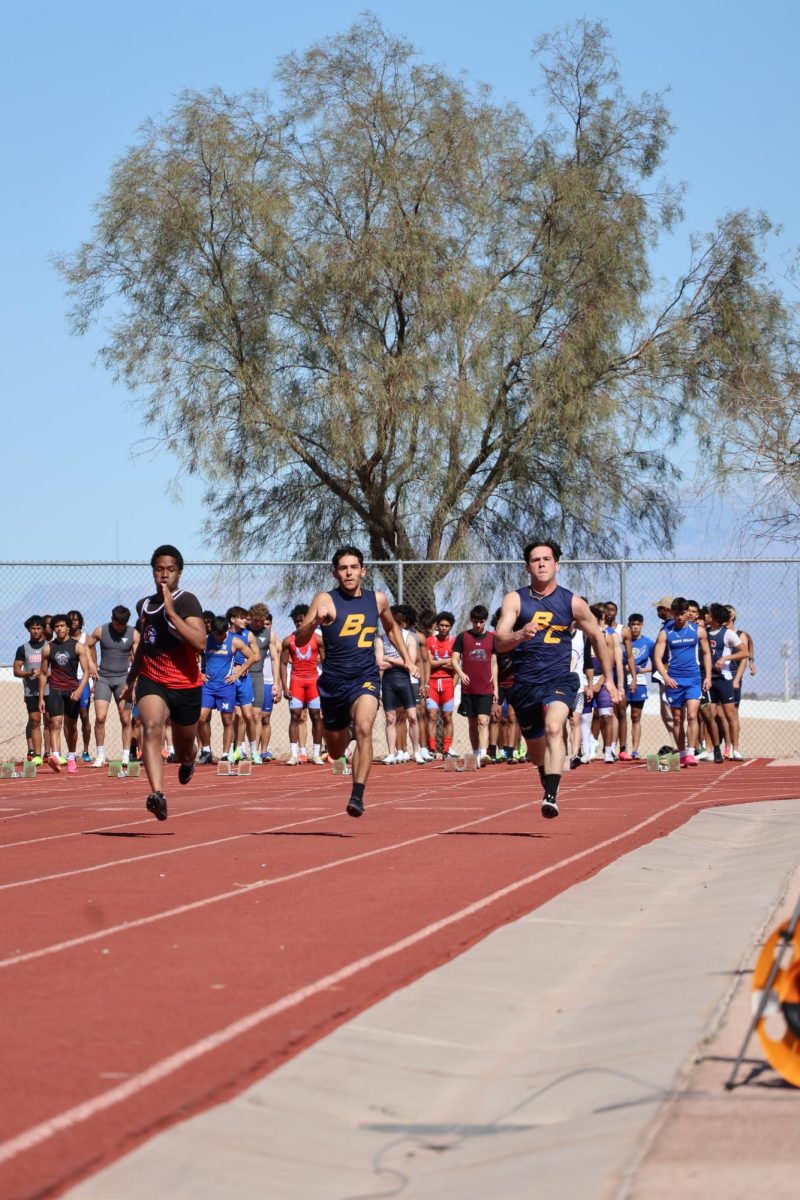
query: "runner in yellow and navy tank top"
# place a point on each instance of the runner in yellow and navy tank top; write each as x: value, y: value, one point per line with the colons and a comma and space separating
x: 535, y: 625
x: 349, y: 686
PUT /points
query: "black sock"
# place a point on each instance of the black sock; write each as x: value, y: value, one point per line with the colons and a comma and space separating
x: 358, y: 791
x: 542, y: 775
x: 551, y: 783
x: 492, y: 751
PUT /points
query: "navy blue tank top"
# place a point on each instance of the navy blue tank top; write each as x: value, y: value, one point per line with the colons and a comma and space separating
x: 546, y: 657
x: 350, y: 638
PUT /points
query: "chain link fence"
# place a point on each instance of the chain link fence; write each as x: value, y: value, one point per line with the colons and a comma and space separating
x: 764, y: 592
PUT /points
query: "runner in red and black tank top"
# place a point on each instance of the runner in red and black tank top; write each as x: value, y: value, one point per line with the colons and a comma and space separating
x: 172, y: 635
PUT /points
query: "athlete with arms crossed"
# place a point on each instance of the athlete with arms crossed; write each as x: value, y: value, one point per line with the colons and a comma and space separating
x: 172, y: 633
x: 350, y: 683
x: 535, y: 624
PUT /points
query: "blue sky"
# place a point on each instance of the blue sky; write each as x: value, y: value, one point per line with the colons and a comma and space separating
x: 79, y: 79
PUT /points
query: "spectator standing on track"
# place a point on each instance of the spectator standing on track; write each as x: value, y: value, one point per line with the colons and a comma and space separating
x: 397, y: 690
x: 682, y: 677
x: 349, y: 685
x: 423, y: 628
x: 441, y: 684
x: 63, y: 656
x: 220, y: 672
x: 302, y: 686
x: 118, y: 642
x: 166, y: 673
x: 663, y: 609
x: 75, y: 619
x: 643, y: 648
x: 727, y: 651
x: 535, y: 623
x: 629, y: 661
x: 473, y: 649
x: 237, y: 618
x: 27, y: 666
x: 265, y: 675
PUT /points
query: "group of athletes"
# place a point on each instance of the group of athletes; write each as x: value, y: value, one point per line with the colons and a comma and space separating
x: 551, y: 675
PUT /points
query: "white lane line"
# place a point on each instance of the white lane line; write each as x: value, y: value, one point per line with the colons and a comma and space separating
x: 175, y: 1062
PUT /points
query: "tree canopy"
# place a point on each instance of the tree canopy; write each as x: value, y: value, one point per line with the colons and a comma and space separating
x: 386, y: 306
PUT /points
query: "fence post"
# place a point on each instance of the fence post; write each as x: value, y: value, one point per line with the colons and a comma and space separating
x: 623, y: 592
x: 399, y: 583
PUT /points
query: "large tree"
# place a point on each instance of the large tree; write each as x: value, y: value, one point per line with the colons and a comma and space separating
x: 389, y: 307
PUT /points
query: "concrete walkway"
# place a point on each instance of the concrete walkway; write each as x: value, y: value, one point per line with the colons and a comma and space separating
x: 556, y: 1059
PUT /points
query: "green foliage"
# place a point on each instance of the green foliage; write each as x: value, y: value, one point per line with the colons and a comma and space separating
x: 390, y: 308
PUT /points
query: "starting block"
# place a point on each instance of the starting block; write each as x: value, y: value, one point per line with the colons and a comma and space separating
x: 8, y: 770
x: 663, y: 762
x: 121, y: 770
x: 342, y: 767
x: 243, y: 767
x: 468, y: 763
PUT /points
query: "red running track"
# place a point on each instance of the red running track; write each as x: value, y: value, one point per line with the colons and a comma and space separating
x: 149, y: 970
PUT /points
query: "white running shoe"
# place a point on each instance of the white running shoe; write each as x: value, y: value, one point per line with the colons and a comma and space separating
x: 737, y: 756
x: 403, y: 756
x: 609, y: 756
x: 420, y: 758
x: 294, y: 761
x: 317, y: 760
x: 389, y: 760
x: 100, y: 763
x: 704, y: 756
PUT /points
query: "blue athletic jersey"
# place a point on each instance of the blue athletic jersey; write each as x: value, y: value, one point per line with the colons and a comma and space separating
x: 684, y: 666
x: 218, y: 658
x: 548, y: 655
x: 350, y: 638
x: 643, y: 647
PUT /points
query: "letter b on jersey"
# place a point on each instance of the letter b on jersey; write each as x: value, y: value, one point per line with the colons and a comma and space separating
x: 354, y: 625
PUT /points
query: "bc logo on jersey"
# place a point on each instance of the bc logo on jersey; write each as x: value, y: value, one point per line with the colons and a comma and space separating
x: 551, y: 632
x: 370, y: 687
x: 354, y: 626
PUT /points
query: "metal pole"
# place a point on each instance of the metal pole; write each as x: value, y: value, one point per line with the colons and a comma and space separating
x: 623, y: 592
x: 399, y: 583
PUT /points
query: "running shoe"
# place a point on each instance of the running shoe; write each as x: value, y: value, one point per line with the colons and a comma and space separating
x: 317, y: 760
x: 728, y: 751
x: 293, y: 761
x: 86, y: 757
x: 635, y: 755
x: 267, y: 756
x: 403, y: 756
x: 703, y: 756
x: 689, y: 760
x: 355, y: 807
x: 29, y: 756
x: 257, y: 759
x: 666, y: 750
x: 586, y: 758
x: 303, y: 760
x: 54, y: 762
x: 609, y: 756
x: 575, y: 762
x: 172, y: 757
x: 624, y: 756
x: 389, y: 760
x: 420, y: 758
x: 72, y: 767
x: 157, y: 805
x: 206, y: 758
x: 99, y: 763
x: 37, y: 760
x: 549, y: 806
x: 63, y: 760
x: 737, y: 756
x: 185, y: 772
x: 718, y: 755
x: 450, y: 754
x: 165, y: 756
